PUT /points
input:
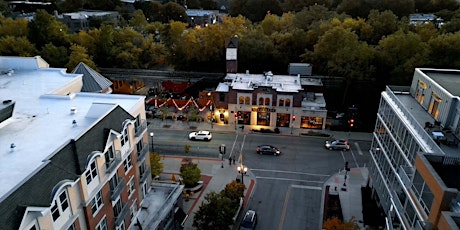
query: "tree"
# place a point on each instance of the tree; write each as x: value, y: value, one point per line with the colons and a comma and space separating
x: 445, y: 50
x: 46, y: 29
x: 138, y: 21
x: 215, y: 213
x: 79, y: 54
x: 190, y: 174
x: 15, y: 28
x: 16, y: 46
x: 156, y: 165
x: 335, y: 223
x: 173, y: 12
x: 55, y: 56
x: 234, y: 191
x: 382, y: 23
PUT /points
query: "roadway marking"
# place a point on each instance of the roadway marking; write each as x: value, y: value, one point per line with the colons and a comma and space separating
x: 292, y: 172
x: 286, y: 179
x: 306, y: 187
x: 283, y: 214
x: 359, y: 149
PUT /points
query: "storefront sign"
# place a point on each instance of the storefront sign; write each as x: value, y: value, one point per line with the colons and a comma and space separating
x: 263, y: 110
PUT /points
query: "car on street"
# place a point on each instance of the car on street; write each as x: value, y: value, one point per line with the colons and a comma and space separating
x: 202, y: 135
x: 268, y: 149
x: 249, y: 221
x: 337, y: 145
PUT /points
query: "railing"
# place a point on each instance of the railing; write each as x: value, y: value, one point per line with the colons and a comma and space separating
x: 145, y: 175
x: 117, y: 191
x: 121, y: 216
x: 141, y: 154
x: 139, y: 130
x: 112, y: 165
x: 422, y: 134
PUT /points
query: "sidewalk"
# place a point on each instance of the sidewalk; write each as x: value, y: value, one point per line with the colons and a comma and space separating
x: 215, y: 177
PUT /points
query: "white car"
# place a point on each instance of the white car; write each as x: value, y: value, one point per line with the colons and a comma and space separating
x: 200, y: 135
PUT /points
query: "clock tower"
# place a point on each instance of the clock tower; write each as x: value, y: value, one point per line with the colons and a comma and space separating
x: 231, y: 53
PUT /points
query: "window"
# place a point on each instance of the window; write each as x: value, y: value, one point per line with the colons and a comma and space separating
x: 247, y: 101
x: 102, y: 224
x: 96, y: 202
x: 124, y: 138
x: 281, y: 102
x: 131, y: 187
x: 109, y: 155
x: 114, y: 181
x: 117, y: 208
x: 241, y: 100
x: 221, y: 97
x: 267, y: 101
x: 261, y: 101
x: 59, y: 205
x: 288, y: 102
x: 128, y: 164
x: 133, y: 209
x: 91, y: 173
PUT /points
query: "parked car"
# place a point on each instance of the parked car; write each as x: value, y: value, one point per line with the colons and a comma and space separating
x: 249, y: 220
x: 268, y: 149
x: 200, y: 135
x: 337, y: 145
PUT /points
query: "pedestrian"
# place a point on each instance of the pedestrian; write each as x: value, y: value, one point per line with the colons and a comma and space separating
x: 230, y: 161
x: 233, y: 159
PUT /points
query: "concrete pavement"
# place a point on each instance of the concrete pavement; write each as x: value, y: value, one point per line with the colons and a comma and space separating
x: 216, y: 174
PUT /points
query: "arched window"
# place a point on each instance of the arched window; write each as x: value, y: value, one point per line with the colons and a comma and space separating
x: 248, y: 101
x: 241, y: 99
x: 261, y: 101
x: 267, y: 101
x: 281, y: 102
x: 288, y: 102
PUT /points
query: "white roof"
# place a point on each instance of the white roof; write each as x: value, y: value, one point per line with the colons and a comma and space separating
x: 42, y: 121
x: 281, y: 83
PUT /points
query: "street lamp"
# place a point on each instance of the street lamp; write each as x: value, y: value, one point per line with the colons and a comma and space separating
x: 242, y: 170
x: 151, y: 139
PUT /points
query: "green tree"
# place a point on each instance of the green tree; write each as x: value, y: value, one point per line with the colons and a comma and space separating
x: 190, y: 174
x: 156, y: 165
x: 355, y: 8
x: 103, y: 39
x: 445, y: 50
x: 382, y: 23
x: 401, y: 53
x: 173, y: 12
x: 138, y: 21
x: 46, y: 29
x: 79, y: 54
x: 55, y: 56
x: 15, y: 28
x: 16, y: 46
x: 215, y: 213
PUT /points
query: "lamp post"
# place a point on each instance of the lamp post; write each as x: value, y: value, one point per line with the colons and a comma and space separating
x: 242, y: 170
x: 211, y: 108
x: 151, y: 140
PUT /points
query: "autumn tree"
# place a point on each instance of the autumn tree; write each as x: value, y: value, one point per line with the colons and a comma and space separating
x: 156, y: 165
x: 216, y: 212
x: 335, y: 223
x: 79, y: 54
x: 16, y: 46
x: 46, y: 29
x: 445, y: 50
x: 234, y: 191
x: 190, y: 174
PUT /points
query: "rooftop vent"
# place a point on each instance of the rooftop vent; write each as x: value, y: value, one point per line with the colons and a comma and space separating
x: 73, y: 110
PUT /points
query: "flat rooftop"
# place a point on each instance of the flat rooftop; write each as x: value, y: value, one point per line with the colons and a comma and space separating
x: 281, y: 83
x: 43, y: 118
x: 447, y: 79
x: 412, y: 109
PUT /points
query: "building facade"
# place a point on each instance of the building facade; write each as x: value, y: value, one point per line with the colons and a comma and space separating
x: 269, y: 101
x: 415, y: 127
x: 72, y: 159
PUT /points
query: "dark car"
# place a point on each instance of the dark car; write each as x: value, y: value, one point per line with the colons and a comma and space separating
x: 337, y: 145
x: 249, y: 220
x: 268, y: 149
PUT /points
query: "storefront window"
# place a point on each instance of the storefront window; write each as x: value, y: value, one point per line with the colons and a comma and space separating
x: 311, y: 122
x: 263, y: 118
x: 282, y: 120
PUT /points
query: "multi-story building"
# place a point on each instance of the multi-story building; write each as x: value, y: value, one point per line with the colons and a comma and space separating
x: 415, y: 154
x: 269, y: 101
x: 71, y: 159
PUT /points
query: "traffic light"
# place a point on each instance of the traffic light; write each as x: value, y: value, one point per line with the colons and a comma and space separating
x: 293, y: 117
x: 351, y: 122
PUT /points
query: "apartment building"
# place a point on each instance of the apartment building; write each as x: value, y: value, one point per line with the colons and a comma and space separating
x: 269, y: 101
x: 71, y: 159
x: 415, y: 153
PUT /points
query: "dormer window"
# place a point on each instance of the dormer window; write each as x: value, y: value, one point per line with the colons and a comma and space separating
x: 60, y: 205
x: 124, y: 138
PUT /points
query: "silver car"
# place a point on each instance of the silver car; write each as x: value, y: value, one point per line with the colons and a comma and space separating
x: 337, y: 145
x: 200, y: 135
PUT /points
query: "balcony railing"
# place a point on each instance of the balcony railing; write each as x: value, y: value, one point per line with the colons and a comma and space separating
x: 145, y: 175
x: 143, y: 152
x: 113, y: 164
x: 139, y: 130
x: 121, y: 216
x: 117, y: 191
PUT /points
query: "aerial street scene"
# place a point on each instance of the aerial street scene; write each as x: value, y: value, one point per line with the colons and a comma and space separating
x: 230, y: 115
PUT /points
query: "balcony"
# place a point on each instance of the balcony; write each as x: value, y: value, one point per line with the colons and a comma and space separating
x: 143, y: 152
x: 121, y: 215
x: 141, y: 128
x: 145, y: 175
x: 117, y: 191
x: 113, y: 164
